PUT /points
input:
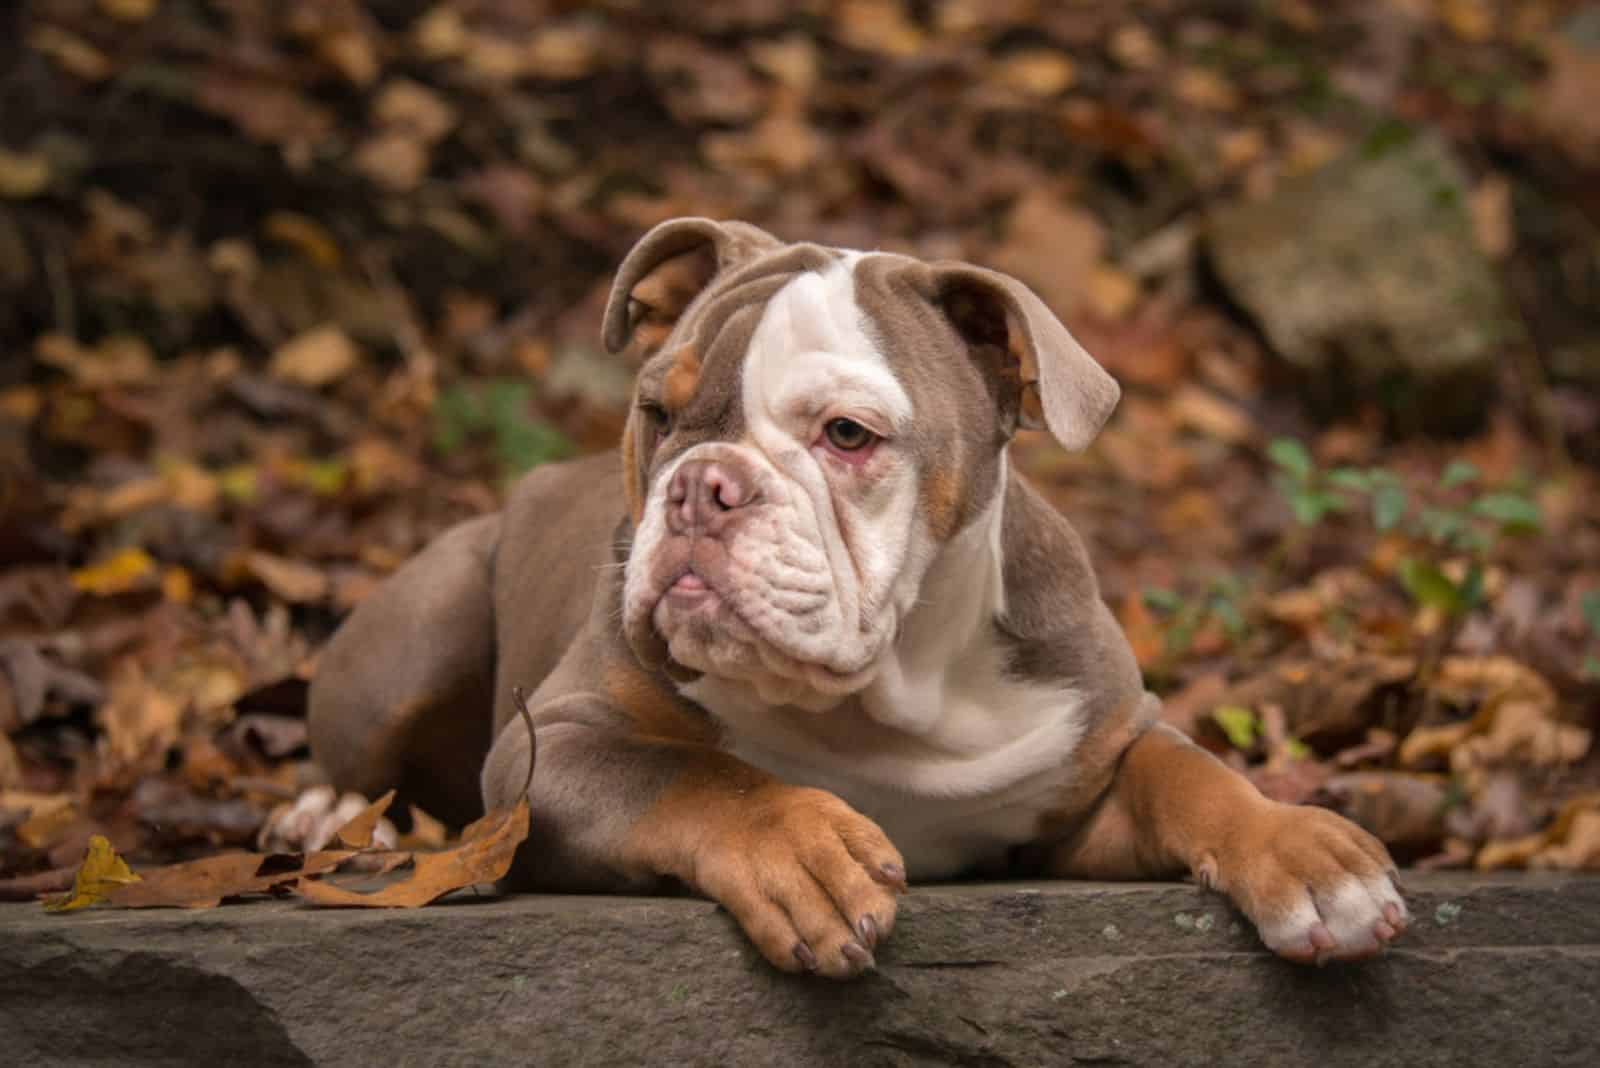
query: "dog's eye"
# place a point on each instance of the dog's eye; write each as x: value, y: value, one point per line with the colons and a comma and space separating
x: 657, y: 417
x: 847, y: 435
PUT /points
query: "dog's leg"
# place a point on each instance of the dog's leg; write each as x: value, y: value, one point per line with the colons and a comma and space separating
x: 1316, y: 886
x: 403, y: 694
x: 811, y: 881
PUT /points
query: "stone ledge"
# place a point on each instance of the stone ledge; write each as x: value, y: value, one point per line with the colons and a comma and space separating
x: 1495, y: 970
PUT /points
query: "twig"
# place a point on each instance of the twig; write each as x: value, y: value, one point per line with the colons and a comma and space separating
x: 519, y: 697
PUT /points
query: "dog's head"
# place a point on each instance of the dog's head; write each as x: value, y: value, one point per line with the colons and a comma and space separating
x: 810, y: 426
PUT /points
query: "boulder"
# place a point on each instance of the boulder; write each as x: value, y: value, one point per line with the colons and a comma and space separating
x: 1365, y: 278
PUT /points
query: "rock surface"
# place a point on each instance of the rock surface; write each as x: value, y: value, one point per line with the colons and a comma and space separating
x: 1494, y: 971
x: 1366, y: 279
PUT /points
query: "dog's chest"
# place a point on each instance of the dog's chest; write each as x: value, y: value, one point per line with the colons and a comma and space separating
x: 957, y: 769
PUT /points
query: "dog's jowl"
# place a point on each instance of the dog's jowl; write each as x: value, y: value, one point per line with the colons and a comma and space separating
x: 805, y: 635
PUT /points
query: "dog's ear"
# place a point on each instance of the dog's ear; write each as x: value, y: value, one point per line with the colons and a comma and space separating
x: 1047, y: 380
x: 666, y: 270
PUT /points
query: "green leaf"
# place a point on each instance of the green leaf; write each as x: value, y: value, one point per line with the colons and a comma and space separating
x: 1232, y: 621
x: 1590, y: 606
x: 1238, y: 723
x: 1296, y: 749
x: 1350, y: 478
x: 1512, y: 510
x: 1443, y: 524
x: 1429, y: 586
x: 1458, y: 473
x: 1388, y: 506
x: 1471, y: 588
x: 1290, y: 455
x: 1161, y: 600
x: 1311, y: 505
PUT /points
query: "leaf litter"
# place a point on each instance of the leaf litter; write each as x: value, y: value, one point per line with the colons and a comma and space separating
x: 230, y: 417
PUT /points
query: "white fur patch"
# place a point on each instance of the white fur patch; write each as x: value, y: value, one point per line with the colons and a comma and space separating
x: 1350, y: 909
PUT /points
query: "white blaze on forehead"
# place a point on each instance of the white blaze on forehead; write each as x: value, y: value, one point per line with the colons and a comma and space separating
x: 811, y: 353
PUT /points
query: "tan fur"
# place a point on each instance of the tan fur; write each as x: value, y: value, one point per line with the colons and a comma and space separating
x: 944, y: 497
x: 682, y: 379
x: 786, y: 861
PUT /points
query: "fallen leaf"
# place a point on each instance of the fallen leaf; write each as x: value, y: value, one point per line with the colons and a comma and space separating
x: 1202, y: 411
x: 23, y: 175
x: 28, y: 679
x: 316, y: 358
x: 484, y: 855
x: 1037, y: 72
x: 1401, y: 809
x: 357, y: 833
x: 426, y: 832
x: 294, y: 581
x: 101, y: 872
x: 129, y: 10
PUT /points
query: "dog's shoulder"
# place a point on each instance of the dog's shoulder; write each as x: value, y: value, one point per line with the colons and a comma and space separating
x: 1054, y: 625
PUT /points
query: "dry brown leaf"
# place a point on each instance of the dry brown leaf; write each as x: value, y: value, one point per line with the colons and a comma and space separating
x: 205, y: 883
x: 1432, y: 744
x: 1401, y: 809
x: 1037, y: 72
x: 1325, y: 701
x: 358, y: 832
x: 293, y: 580
x: 117, y: 360
x: 1053, y: 246
x: 426, y: 832
x: 22, y: 175
x: 485, y: 857
x: 129, y: 10
x: 316, y: 358
x: 1202, y: 411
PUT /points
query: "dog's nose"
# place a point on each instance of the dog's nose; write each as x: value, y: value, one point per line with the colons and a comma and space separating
x: 706, y: 494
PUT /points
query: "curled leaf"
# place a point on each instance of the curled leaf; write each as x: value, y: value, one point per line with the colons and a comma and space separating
x: 101, y: 872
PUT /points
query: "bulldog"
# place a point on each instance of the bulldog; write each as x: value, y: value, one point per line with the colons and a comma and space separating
x: 807, y: 636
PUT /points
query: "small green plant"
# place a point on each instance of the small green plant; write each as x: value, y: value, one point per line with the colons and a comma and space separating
x: 1221, y: 601
x: 502, y: 410
x: 1591, y: 615
x: 1437, y: 526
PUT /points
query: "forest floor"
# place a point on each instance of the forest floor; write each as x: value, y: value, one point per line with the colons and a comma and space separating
x: 288, y: 288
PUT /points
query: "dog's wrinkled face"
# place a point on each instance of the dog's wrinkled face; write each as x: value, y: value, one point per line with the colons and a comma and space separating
x: 810, y: 426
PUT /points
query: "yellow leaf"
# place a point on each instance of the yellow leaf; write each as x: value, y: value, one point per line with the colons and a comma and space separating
x: 124, y: 570
x: 73, y: 53
x: 304, y: 234
x: 101, y: 872
x: 23, y: 175
x: 177, y: 585
x: 130, y: 10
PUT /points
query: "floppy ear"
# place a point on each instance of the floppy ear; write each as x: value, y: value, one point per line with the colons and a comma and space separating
x: 666, y: 270
x: 1048, y: 381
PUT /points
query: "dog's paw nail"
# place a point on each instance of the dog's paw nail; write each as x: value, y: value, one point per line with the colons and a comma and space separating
x: 803, y: 954
x: 869, y: 931
x: 1394, y: 917
x: 1383, y: 931
x: 1321, y: 939
x: 894, y: 873
x: 858, y: 956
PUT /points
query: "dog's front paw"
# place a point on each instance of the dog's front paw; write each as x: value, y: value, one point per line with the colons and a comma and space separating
x: 810, y: 879
x: 1317, y: 887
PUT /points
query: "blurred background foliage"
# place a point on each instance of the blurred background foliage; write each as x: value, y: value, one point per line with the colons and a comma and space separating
x: 289, y: 286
